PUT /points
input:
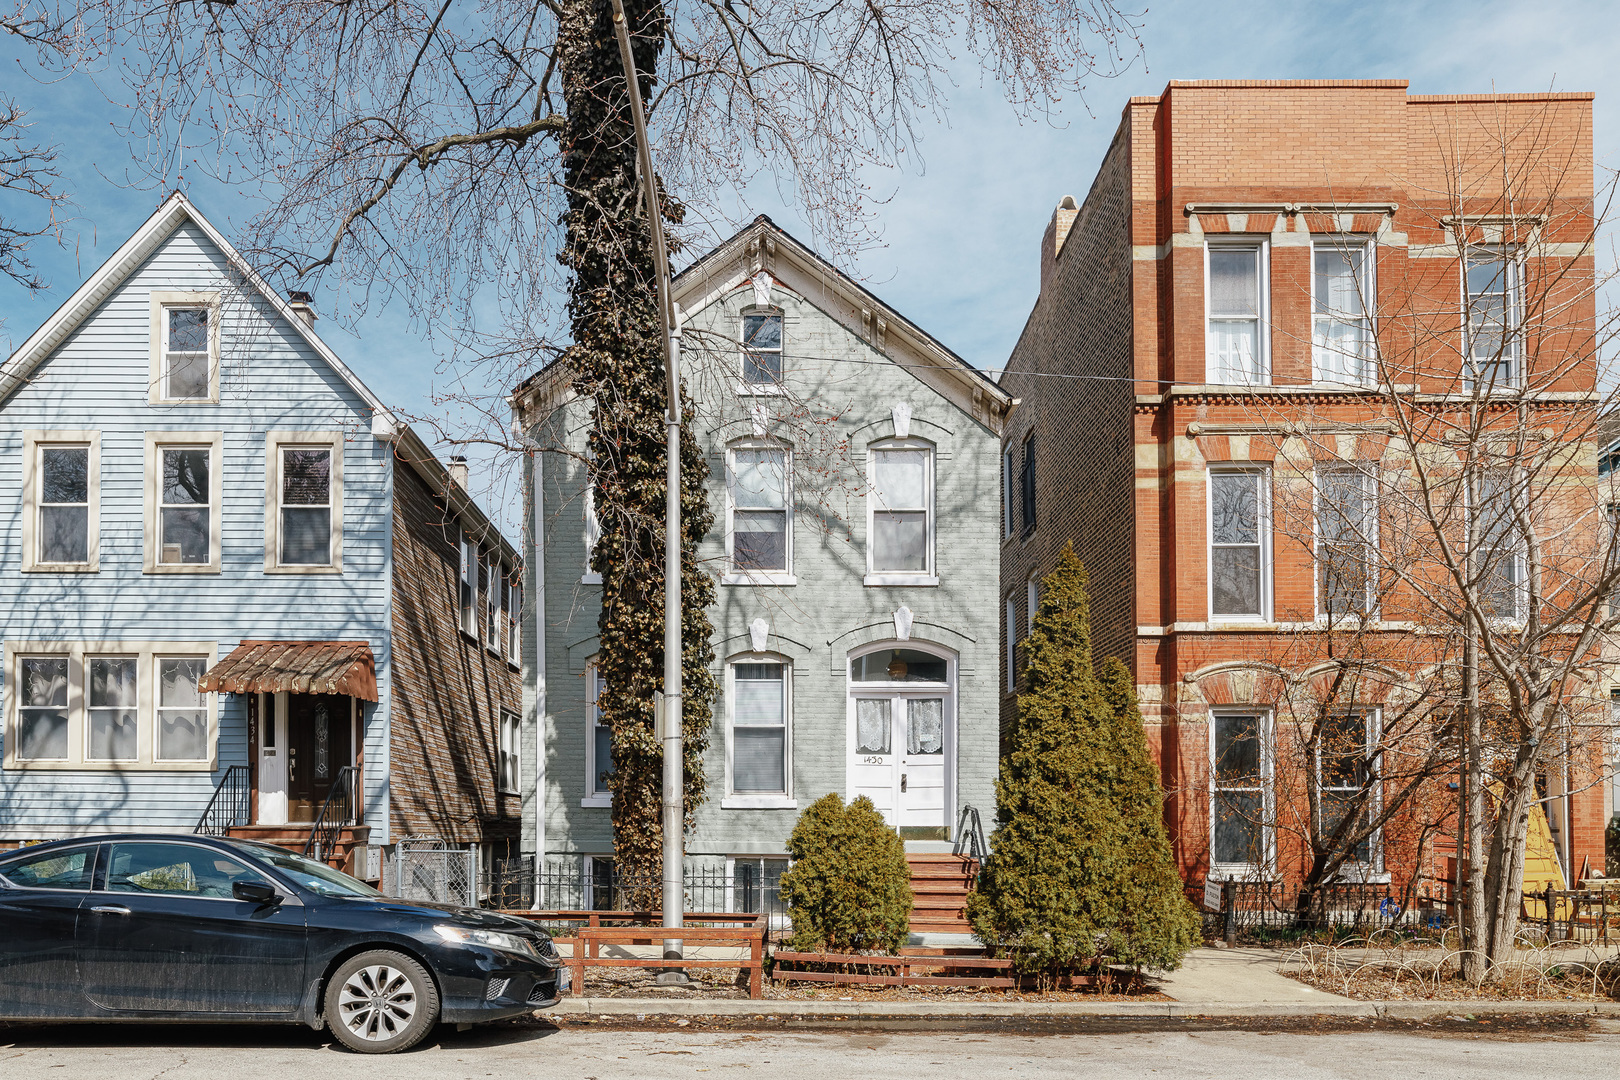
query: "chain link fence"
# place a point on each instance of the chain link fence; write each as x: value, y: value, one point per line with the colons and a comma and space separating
x: 427, y: 868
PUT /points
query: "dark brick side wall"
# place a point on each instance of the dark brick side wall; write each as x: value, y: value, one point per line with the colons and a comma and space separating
x: 447, y: 688
x: 1081, y: 326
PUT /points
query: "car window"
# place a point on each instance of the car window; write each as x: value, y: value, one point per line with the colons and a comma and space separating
x: 55, y: 869
x: 183, y: 869
x: 316, y: 877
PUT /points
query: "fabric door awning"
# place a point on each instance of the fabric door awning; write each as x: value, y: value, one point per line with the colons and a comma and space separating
x: 302, y: 667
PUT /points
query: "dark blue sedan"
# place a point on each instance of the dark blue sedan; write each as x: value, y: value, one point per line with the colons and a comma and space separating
x: 165, y: 927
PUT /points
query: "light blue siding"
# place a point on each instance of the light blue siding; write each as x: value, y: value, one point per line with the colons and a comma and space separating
x: 271, y: 380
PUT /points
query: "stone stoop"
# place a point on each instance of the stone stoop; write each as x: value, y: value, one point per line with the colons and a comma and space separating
x: 940, y: 884
x: 348, y: 856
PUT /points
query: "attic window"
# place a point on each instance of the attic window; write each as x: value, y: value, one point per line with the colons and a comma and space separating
x: 762, y: 349
x: 185, y: 348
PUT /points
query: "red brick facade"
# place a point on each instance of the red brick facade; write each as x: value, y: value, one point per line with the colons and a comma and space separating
x: 1111, y: 375
x: 448, y: 688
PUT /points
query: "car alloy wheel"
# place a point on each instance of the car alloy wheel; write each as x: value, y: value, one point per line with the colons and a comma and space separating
x: 380, y: 1002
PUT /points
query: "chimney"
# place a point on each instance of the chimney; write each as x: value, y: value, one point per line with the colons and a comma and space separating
x: 302, y: 304
x: 1057, y: 231
x: 458, y: 471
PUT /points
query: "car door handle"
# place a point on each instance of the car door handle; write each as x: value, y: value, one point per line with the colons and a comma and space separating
x: 110, y: 909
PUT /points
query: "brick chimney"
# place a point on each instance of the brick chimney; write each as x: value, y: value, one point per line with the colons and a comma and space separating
x: 303, y: 306
x: 1057, y: 231
x: 458, y: 471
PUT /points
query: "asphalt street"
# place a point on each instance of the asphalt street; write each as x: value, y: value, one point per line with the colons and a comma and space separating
x: 240, y: 1053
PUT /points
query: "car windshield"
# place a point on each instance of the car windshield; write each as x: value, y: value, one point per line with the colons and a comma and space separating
x: 314, y: 876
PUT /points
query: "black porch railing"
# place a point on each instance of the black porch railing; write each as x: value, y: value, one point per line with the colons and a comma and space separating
x: 229, y: 806
x: 337, y: 811
x: 970, y: 836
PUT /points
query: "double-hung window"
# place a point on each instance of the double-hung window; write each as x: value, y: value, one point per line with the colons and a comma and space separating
x: 761, y: 514
x: 1492, y: 331
x: 598, y: 743
x: 1012, y: 644
x: 1240, y: 803
x: 492, y: 603
x: 183, y: 502
x: 900, y: 547
x: 1009, y: 494
x: 61, y: 526
x: 1345, y: 778
x: 185, y: 348
x: 1341, y: 310
x: 1346, y: 541
x: 511, y: 748
x: 1235, y: 295
x: 467, y: 586
x: 1026, y: 484
x: 762, y: 351
x: 1239, y: 544
x: 116, y: 707
x: 759, y: 725
x: 512, y: 605
x: 1498, y: 555
x: 303, y: 502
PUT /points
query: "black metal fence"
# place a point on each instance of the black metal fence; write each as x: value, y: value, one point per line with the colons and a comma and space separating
x: 1587, y: 915
x: 1261, y: 909
x: 597, y: 885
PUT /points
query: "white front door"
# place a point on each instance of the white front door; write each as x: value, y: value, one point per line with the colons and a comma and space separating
x: 899, y: 753
x: 272, y: 752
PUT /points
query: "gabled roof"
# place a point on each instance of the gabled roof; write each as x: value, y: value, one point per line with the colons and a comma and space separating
x: 175, y: 211
x: 763, y: 244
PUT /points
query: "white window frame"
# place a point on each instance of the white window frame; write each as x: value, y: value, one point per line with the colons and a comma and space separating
x: 466, y: 575
x: 755, y: 800
x: 274, y: 443
x: 778, y: 921
x: 156, y: 443
x: 1266, y: 566
x: 593, y: 689
x: 733, y: 575
x: 161, y: 301
x: 78, y: 655
x: 1266, y: 732
x: 1370, y: 490
x: 1012, y: 644
x: 1372, y: 726
x: 1032, y: 602
x: 929, y: 575
x: 509, y: 771
x: 1262, y: 359
x: 744, y: 387
x: 33, y: 443
x: 490, y: 563
x: 512, y: 607
x: 1511, y: 257
x: 1343, y: 242
x: 1520, y: 567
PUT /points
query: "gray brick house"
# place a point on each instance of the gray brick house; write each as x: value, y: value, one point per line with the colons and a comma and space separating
x: 853, y: 473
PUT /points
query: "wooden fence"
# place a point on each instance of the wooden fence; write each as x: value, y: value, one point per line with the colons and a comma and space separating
x: 585, y: 943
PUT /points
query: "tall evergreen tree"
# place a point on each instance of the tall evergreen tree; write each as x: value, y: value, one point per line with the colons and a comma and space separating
x: 1081, y: 867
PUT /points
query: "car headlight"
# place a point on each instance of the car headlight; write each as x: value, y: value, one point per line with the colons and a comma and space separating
x: 489, y: 939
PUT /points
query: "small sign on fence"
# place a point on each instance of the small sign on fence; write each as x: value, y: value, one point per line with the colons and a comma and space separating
x: 1212, y: 894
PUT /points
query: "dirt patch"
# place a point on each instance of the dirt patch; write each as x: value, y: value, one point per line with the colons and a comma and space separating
x: 721, y: 983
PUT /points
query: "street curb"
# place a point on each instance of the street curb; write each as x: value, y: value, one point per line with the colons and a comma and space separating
x: 940, y: 1010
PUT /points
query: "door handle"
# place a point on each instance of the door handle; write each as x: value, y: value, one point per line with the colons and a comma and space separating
x: 111, y: 909
x: 902, y: 782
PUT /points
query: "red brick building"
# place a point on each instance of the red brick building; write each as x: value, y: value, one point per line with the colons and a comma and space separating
x: 1214, y: 323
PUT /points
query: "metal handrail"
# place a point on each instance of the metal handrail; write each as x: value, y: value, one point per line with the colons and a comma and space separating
x: 229, y: 806
x: 323, y: 835
x: 970, y: 836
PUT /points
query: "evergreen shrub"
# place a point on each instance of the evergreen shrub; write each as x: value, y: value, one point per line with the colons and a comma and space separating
x: 849, y: 889
x: 1081, y: 869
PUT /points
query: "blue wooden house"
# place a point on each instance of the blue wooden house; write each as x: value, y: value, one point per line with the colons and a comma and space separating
x: 239, y: 593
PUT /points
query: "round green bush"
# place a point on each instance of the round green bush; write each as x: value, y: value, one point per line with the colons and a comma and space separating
x: 849, y: 889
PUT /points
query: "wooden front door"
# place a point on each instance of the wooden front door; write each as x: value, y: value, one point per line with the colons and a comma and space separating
x: 318, y: 745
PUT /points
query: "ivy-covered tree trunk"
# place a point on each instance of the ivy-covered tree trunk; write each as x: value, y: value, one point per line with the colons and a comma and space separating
x: 618, y: 362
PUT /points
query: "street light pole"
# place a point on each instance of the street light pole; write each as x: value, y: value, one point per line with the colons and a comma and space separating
x: 674, y: 817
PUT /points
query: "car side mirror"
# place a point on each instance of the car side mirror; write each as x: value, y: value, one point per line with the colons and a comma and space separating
x: 255, y: 892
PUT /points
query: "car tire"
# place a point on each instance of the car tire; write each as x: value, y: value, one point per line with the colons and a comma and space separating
x: 381, y: 1002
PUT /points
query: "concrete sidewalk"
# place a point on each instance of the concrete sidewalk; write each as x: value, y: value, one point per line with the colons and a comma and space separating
x: 1210, y: 982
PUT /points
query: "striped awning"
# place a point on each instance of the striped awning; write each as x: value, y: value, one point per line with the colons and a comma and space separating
x: 302, y: 667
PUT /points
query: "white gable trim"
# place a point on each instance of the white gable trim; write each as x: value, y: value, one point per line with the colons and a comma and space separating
x: 176, y: 209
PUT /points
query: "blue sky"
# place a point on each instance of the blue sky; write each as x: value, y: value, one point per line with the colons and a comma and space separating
x: 961, y: 228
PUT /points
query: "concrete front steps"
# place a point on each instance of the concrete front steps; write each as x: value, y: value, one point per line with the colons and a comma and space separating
x: 940, y: 885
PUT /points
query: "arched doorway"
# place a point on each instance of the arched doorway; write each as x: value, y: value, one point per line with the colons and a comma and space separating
x: 902, y: 735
